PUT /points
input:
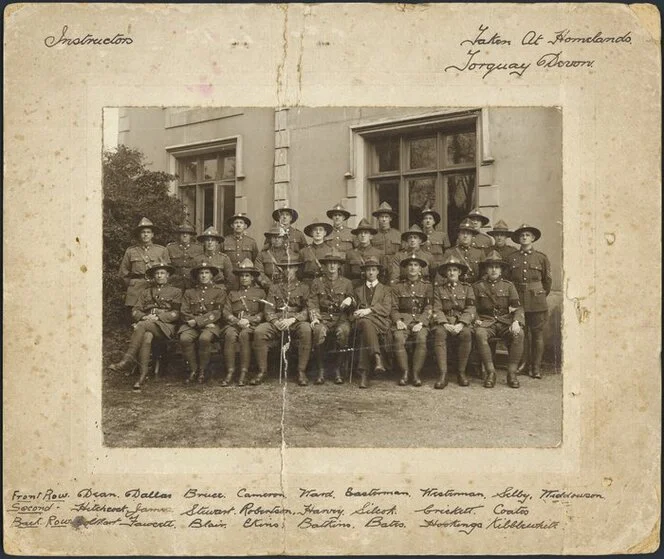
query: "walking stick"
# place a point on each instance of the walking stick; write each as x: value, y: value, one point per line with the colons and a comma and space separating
x: 352, y: 355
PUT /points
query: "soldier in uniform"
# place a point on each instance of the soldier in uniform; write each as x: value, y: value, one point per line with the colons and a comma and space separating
x: 182, y: 254
x: 530, y: 271
x: 471, y: 256
x: 453, y: 316
x: 213, y: 255
x: 372, y: 317
x: 341, y: 237
x: 285, y: 217
x: 387, y: 239
x: 286, y: 313
x: 318, y: 231
x: 500, y: 233
x: 356, y: 257
x: 138, y: 258
x: 479, y: 220
x: 413, y: 239
x: 499, y: 314
x: 410, y: 314
x: 242, y: 312
x: 330, y: 298
x: 155, y: 314
x: 437, y: 241
x: 201, y: 312
x: 274, y: 252
x: 239, y: 245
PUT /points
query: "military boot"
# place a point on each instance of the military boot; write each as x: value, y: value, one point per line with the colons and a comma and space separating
x: 143, y: 363
x: 379, y: 368
x: 258, y: 378
x: 128, y: 360
x: 490, y: 381
x: 191, y: 377
x: 302, y: 379
x: 320, y: 364
x: 364, y: 381
x: 201, y: 376
x: 243, y: 376
x: 338, y: 377
x: 416, y: 378
x: 442, y: 380
x: 229, y: 377
x: 512, y: 381
x: 462, y: 379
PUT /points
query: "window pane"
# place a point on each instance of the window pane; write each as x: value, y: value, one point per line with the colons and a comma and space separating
x: 229, y: 168
x: 387, y: 155
x: 227, y: 196
x: 208, y: 206
x: 460, y: 198
x: 188, y: 169
x: 188, y: 196
x: 461, y: 148
x: 423, y: 153
x: 210, y: 168
x: 421, y: 192
x: 387, y: 191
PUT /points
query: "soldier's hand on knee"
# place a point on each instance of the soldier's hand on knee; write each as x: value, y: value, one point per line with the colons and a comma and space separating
x: 449, y: 328
x: 401, y: 325
x: 417, y: 327
x: 243, y: 323
x: 347, y: 302
x: 209, y: 326
x: 515, y: 328
x: 191, y: 323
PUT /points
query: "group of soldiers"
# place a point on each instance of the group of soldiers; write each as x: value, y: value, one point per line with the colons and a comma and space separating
x: 368, y: 291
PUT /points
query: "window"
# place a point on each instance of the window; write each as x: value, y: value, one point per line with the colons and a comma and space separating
x: 424, y: 163
x: 206, y: 183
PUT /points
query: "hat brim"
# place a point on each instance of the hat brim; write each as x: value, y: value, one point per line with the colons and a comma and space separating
x: 151, y: 271
x: 360, y: 229
x: 309, y: 228
x: 436, y: 216
x: 405, y: 262
x: 253, y: 271
x: 139, y: 228
x: 230, y: 220
x: 294, y: 214
x: 190, y: 231
x: 503, y: 264
x: 470, y: 229
x: 374, y: 264
x: 291, y: 264
x: 534, y: 230
x: 500, y: 232
x: 325, y: 260
x: 220, y: 238
x: 443, y: 267
x: 194, y: 271
x: 388, y: 212
x: 346, y: 213
x: 423, y: 236
x: 484, y: 219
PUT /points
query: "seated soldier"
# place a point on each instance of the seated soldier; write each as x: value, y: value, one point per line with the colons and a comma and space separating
x: 285, y: 217
x: 329, y: 299
x: 500, y: 233
x: 286, y: 314
x: 201, y: 313
x: 314, y: 251
x: 387, y: 239
x: 340, y: 237
x: 481, y: 239
x: 437, y: 241
x: 410, y: 314
x: 453, y: 315
x: 471, y: 256
x: 413, y: 239
x: 239, y: 245
x: 356, y: 257
x: 499, y: 314
x: 274, y: 252
x: 155, y: 315
x: 372, y: 318
x: 213, y: 256
x: 182, y: 254
x: 242, y: 312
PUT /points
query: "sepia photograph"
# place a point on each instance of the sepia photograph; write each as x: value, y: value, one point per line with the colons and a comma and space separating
x: 332, y: 277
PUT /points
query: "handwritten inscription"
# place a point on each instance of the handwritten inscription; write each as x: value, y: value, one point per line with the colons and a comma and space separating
x: 67, y: 41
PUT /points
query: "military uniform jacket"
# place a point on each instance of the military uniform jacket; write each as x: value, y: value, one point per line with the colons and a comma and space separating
x: 182, y: 257
x: 531, y: 274
x: 436, y: 245
x: 497, y: 302
x: 136, y: 260
x: 163, y: 301
x: 311, y: 255
x: 504, y: 251
x: 380, y: 303
x: 482, y: 241
x: 295, y: 238
x: 411, y: 302
x: 239, y: 249
x: 388, y: 242
x: 287, y: 300
x: 396, y: 272
x: 471, y: 257
x: 325, y: 296
x: 266, y: 264
x: 244, y: 303
x: 204, y: 304
x: 341, y: 239
x: 453, y: 302
x: 356, y: 257
x: 221, y: 261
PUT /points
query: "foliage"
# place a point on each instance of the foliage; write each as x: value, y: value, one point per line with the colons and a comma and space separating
x: 131, y: 191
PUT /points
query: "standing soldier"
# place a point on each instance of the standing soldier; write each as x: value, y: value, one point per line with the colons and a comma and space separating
x: 500, y: 314
x: 182, y: 254
x: 530, y: 271
x: 356, y: 257
x: 239, y: 245
x: 471, y: 256
x: 372, y: 316
x: 318, y: 230
x: 453, y: 315
x: 413, y: 239
x: 267, y: 260
x: 285, y: 217
x: 500, y: 233
x: 341, y: 237
x: 138, y: 258
x: 242, y: 312
x: 212, y: 255
x: 155, y: 314
x: 286, y: 313
x: 201, y: 312
x: 410, y: 314
x: 437, y: 241
x: 329, y: 299
x: 387, y: 239
x: 479, y: 220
